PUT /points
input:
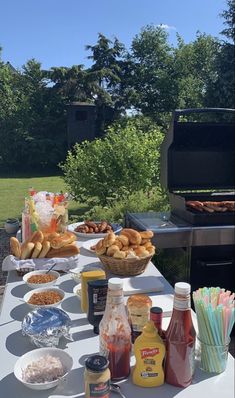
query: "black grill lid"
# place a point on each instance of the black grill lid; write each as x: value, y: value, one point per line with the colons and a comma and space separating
x: 200, y: 154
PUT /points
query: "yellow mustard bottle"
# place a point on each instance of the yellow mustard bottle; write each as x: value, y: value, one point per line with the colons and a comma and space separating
x: 149, y: 351
x: 88, y: 276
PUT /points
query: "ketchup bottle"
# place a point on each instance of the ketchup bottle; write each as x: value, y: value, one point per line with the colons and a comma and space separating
x: 115, y: 332
x: 180, y: 339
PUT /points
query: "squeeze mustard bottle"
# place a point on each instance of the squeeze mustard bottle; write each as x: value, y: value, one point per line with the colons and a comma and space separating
x: 88, y: 276
x: 149, y: 352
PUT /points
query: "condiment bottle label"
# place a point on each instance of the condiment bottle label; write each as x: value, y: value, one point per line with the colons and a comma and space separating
x: 103, y: 348
x: 114, y: 300
x: 138, y: 321
x: 99, y: 300
x: 181, y: 304
x: 100, y: 390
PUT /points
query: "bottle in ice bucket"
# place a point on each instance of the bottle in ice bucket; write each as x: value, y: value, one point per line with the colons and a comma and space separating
x: 115, y: 332
x: 180, y: 339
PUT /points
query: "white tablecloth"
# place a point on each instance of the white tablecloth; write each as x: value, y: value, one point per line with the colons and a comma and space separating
x: 13, y: 345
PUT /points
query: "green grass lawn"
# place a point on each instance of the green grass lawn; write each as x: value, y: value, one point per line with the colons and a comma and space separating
x: 14, y: 190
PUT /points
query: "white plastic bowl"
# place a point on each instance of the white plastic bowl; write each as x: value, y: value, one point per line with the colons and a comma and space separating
x: 76, y: 274
x: 34, y: 355
x: 44, y: 289
x: 40, y: 285
x: 77, y: 290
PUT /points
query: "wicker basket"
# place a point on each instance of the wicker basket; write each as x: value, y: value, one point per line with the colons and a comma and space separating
x: 125, y: 267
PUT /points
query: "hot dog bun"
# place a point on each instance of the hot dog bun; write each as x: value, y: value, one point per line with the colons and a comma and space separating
x: 26, y: 250
x: 45, y: 249
x: 37, y: 249
x: 37, y: 237
x: 63, y: 240
x: 66, y: 251
x: 15, y: 247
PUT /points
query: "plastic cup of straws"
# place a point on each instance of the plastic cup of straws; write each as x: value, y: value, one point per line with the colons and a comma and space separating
x: 212, y: 358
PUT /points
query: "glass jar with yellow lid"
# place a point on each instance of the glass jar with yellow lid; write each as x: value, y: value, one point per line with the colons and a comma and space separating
x: 97, y: 377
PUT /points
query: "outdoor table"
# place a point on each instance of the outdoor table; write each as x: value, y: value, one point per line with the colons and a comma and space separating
x: 13, y: 344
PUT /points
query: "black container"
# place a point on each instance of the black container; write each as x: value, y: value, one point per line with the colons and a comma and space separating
x: 97, y: 294
x: 200, y: 156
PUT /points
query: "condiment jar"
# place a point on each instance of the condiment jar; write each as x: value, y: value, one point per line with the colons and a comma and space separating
x: 97, y: 294
x: 97, y: 377
x: 138, y: 307
x: 87, y: 276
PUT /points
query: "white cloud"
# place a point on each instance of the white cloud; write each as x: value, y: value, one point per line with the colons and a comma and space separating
x: 165, y: 26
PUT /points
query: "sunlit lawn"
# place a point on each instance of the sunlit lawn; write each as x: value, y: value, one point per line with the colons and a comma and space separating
x: 14, y: 190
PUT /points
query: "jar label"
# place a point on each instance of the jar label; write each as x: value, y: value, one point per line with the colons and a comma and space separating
x: 181, y: 304
x: 100, y: 390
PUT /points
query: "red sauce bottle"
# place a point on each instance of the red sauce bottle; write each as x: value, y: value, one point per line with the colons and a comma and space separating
x: 115, y: 332
x: 180, y: 340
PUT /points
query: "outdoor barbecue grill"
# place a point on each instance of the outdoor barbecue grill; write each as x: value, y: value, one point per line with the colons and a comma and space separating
x: 197, y: 164
x: 199, y: 156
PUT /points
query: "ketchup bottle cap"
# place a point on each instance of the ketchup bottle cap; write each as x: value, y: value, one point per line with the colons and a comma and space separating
x: 115, y: 284
x: 182, y: 288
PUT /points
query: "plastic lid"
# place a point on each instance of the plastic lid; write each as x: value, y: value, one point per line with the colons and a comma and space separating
x: 96, y: 363
x: 156, y: 310
x: 182, y: 288
x: 115, y: 283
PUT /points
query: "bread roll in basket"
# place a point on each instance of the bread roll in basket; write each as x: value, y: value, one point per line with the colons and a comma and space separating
x: 124, y: 267
x: 127, y: 254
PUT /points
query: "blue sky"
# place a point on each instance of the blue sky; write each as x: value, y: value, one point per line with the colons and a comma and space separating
x: 55, y: 32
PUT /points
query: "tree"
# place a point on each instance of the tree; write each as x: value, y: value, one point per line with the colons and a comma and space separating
x: 195, y: 70
x: 153, y: 75
x: 229, y: 20
x: 221, y: 93
x: 107, y: 59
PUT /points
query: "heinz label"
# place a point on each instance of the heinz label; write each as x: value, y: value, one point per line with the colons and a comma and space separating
x: 149, y: 352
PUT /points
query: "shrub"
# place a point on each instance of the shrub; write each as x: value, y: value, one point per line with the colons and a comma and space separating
x: 125, y: 160
x: 135, y: 202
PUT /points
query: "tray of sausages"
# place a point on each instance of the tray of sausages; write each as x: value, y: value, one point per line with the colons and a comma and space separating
x: 94, y: 229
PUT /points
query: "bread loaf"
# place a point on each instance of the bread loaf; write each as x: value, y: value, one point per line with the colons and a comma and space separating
x: 15, y: 247
x: 66, y: 251
x: 133, y: 236
x: 119, y: 254
x: 124, y: 239
x: 112, y: 249
x: 141, y: 252
x: 100, y: 248
x: 109, y: 239
x: 146, y: 234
